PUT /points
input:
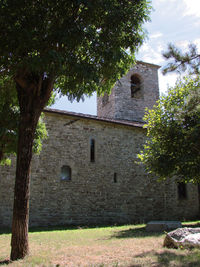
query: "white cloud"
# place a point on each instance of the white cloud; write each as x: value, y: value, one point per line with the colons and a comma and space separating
x: 183, y: 45
x: 197, y: 43
x: 192, y: 7
x: 166, y: 81
x: 145, y: 48
x: 155, y: 35
x: 151, y: 53
x: 158, y: 1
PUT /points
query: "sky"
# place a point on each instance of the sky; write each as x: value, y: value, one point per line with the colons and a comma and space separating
x: 172, y: 21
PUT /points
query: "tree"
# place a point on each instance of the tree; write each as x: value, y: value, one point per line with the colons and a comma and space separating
x: 173, y: 126
x: 172, y: 148
x: 75, y: 47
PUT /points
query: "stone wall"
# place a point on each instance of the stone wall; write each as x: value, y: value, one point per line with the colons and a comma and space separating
x: 106, y: 110
x: 121, y: 105
x: 113, y: 189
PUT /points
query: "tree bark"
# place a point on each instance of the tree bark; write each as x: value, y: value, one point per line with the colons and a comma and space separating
x: 19, y: 240
x: 32, y: 100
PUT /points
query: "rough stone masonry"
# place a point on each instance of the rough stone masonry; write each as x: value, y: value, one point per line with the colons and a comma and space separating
x: 87, y: 171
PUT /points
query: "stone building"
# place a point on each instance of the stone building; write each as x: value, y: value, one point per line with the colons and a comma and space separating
x: 87, y: 171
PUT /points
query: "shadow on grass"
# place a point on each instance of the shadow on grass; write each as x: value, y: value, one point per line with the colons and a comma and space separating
x: 135, y: 232
x: 42, y: 229
x: 60, y: 228
x: 5, y: 262
x: 192, y: 225
x: 140, y: 232
x: 5, y: 231
x: 169, y: 258
x: 130, y: 233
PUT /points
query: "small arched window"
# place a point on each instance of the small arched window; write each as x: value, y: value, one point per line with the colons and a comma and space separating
x: 135, y: 85
x: 65, y: 174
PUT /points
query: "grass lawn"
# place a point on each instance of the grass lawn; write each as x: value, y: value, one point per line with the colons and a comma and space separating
x: 128, y: 246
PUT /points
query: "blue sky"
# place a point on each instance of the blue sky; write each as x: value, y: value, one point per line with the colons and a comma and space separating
x: 172, y: 21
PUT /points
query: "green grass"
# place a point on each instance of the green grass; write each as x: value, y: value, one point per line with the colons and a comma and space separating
x: 129, y: 246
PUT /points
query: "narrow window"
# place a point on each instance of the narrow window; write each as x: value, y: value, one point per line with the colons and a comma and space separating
x: 92, y: 150
x: 65, y: 173
x: 115, y: 177
x: 182, y: 191
x: 135, y: 85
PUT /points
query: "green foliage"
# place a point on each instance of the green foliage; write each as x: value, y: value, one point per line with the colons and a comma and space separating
x: 9, y: 115
x: 173, y: 126
x: 173, y: 131
x: 40, y: 134
x: 9, y: 121
x: 180, y: 61
x: 82, y: 44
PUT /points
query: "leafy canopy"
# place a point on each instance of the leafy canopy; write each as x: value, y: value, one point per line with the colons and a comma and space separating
x: 173, y: 126
x: 81, y: 45
x: 84, y: 45
x: 173, y: 133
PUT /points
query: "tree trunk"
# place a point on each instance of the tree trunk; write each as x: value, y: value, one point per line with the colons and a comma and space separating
x: 19, y: 242
x: 32, y: 100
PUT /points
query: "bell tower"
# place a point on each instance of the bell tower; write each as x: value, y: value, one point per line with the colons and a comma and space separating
x: 130, y: 96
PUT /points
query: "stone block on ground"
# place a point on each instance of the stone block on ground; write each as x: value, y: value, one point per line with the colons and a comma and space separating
x: 183, y: 237
x: 159, y: 226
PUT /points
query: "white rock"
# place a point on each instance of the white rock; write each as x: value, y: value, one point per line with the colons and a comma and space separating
x: 183, y: 237
x: 191, y: 240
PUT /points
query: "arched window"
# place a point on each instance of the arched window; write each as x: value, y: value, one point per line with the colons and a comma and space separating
x: 135, y: 85
x: 65, y: 174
